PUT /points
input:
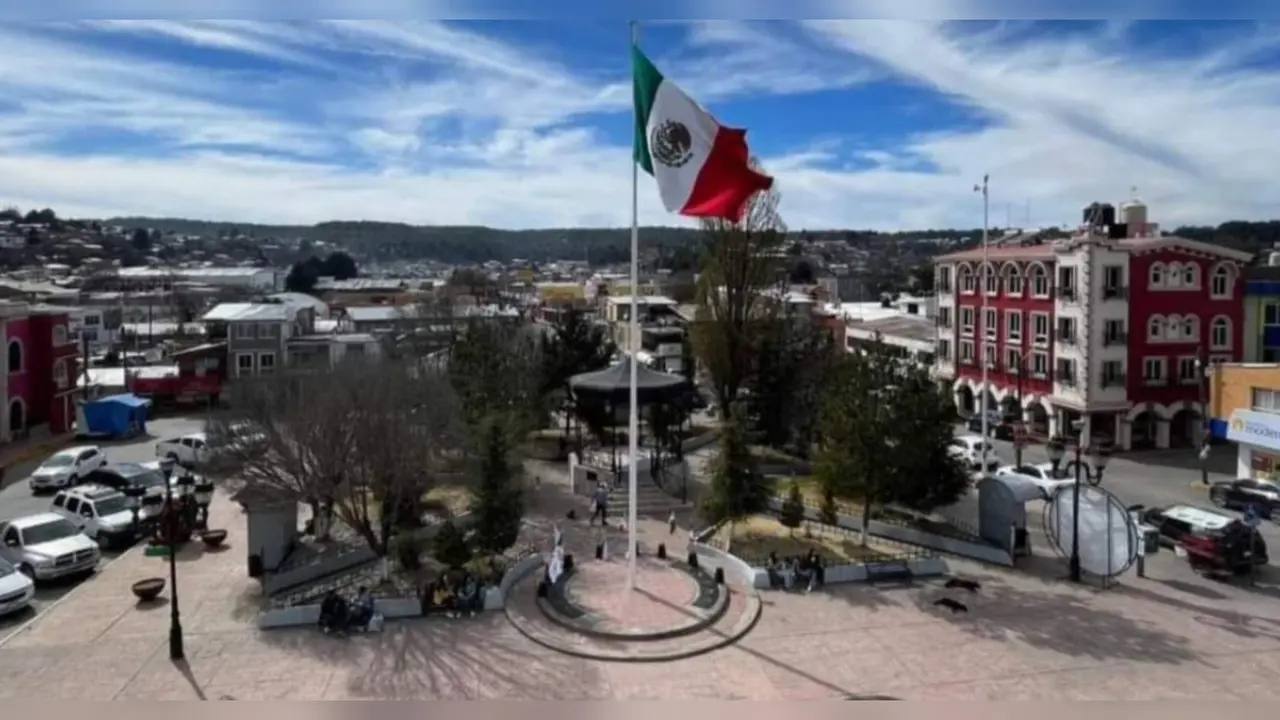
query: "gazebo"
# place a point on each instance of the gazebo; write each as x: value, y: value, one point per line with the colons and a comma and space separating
x: 612, y: 388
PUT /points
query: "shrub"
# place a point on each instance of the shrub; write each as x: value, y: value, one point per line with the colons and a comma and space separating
x: 828, y: 512
x: 407, y: 549
x: 451, y: 547
x: 792, y: 513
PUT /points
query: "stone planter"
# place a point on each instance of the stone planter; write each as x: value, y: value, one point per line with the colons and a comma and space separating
x: 213, y: 538
x: 148, y: 590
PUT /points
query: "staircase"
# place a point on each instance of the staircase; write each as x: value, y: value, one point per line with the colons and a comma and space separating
x: 651, y: 501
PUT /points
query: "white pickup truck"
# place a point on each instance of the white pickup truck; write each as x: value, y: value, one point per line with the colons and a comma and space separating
x: 186, y: 450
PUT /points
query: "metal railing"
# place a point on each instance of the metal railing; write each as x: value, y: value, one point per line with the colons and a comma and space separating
x: 884, y: 549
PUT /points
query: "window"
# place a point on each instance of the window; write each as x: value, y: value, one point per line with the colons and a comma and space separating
x: 242, y: 330
x: 992, y: 280
x: 1039, y: 281
x: 1173, y: 327
x: 60, y: 374
x: 944, y: 350
x: 966, y: 352
x: 1113, y: 332
x: 1112, y: 373
x: 1039, y: 364
x: 244, y: 364
x: 943, y: 280
x: 1067, y: 283
x: 1220, y: 334
x: 269, y: 330
x: 90, y: 335
x: 1153, y: 370
x: 1066, y: 372
x: 16, y: 364
x: 989, y: 354
x: 1040, y: 328
x: 1266, y: 400
x: 990, y: 326
x: 1155, y: 276
x: 266, y: 362
x: 1112, y: 280
x: 1067, y: 330
x: 1173, y: 275
x: 1013, y: 280
x: 1013, y: 322
x: 966, y: 321
x: 60, y: 335
x: 944, y: 317
x: 967, y: 282
x: 1191, y: 276
x: 1013, y: 360
x: 92, y: 320
x: 1190, y: 328
x: 1187, y: 371
x: 1220, y: 283
x: 73, y: 505
x: 1155, y: 328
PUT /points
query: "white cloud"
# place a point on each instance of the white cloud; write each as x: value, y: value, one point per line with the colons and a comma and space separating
x: 431, y: 123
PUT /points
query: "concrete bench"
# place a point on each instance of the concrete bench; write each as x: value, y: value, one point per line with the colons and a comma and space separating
x: 890, y: 571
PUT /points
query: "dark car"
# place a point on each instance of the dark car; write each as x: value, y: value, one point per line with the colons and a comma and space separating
x: 1233, y: 541
x: 147, y: 479
x: 1240, y: 494
x: 999, y: 426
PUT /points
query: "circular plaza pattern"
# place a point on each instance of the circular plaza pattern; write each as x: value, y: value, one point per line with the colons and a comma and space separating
x: 663, y: 598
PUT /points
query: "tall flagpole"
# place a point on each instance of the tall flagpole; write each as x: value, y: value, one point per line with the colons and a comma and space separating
x: 982, y: 300
x: 633, y: 336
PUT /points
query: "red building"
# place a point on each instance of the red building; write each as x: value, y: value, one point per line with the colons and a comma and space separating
x: 197, y: 378
x: 1106, y: 328
x: 41, y: 368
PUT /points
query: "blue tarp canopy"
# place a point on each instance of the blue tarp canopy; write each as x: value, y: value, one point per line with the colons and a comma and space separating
x: 123, y: 415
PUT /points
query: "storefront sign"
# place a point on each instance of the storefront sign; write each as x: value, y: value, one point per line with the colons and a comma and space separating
x: 1255, y: 428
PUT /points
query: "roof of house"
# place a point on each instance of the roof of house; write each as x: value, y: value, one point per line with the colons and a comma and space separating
x: 301, y: 300
x: 250, y: 312
x: 1045, y: 250
x: 376, y: 313
x: 910, y: 327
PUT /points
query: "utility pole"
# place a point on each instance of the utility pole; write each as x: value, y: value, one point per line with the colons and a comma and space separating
x: 982, y: 301
x: 1202, y: 383
x: 1020, y: 428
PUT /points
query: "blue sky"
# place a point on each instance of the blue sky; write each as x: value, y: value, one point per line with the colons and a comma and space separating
x: 865, y: 124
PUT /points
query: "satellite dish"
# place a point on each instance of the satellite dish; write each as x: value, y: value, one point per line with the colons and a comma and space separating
x: 1108, y: 533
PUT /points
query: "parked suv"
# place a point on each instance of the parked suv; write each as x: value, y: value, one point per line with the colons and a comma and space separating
x: 186, y: 450
x: 46, y: 546
x: 16, y: 589
x: 968, y: 450
x: 100, y: 512
x: 66, y: 468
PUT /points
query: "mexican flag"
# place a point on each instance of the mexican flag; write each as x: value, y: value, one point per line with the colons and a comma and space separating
x: 702, y: 168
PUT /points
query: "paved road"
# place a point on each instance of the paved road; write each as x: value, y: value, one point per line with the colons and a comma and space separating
x: 16, y: 500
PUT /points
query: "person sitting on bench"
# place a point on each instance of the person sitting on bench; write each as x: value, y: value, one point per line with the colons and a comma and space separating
x: 333, y: 612
x: 471, y: 599
x: 444, y: 598
x: 361, y: 610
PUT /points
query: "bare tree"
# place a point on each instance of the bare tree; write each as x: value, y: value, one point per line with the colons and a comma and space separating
x: 741, y: 263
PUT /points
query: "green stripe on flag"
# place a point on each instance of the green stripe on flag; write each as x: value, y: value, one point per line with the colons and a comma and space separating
x: 645, y: 80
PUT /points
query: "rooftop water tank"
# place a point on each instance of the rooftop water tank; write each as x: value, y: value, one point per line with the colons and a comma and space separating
x: 1134, y: 214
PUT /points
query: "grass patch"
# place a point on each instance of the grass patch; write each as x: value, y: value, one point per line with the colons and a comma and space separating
x: 757, y: 536
x: 454, y: 499
x: 812, y: 492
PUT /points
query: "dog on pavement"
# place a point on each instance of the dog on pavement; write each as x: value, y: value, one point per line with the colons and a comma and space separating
x: 961, y: 584
x: 955, y: 606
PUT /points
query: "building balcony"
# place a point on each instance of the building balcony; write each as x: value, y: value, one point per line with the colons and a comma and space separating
x: 1112, y: 381
x: 1067, y: 292
x: 1115, y: 292
x: 1065, y: 338
x: 1117, y: 340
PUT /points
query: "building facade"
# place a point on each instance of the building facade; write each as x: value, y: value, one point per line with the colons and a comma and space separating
x: 1107, y: 333
x: 1245, y: 410
x: 41, y: 365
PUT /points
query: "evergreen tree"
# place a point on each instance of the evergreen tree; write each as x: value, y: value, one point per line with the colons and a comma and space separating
x: 737, y: 489
x: 498, y: 504
x: 792, y: 514
x: 451, y: 547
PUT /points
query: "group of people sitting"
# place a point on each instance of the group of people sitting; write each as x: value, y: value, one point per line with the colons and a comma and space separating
x: 454, y: 598
x: 791, y: 571
x: 339, y: 616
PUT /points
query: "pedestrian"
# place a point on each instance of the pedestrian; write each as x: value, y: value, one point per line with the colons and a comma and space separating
x: 600, y: 506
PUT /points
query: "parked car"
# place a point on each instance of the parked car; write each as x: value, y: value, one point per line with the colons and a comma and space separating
x: 968, y: 449
x: 999, y: 425
x: 66, y: 468
x: 186, y: 450
x: 46, y: 546
x: 1218, y: 537
x: 16, y: 589
x: 100, y: 512
x: 1041, y: 475
x: 120, y: 476
x: 1240, y: 494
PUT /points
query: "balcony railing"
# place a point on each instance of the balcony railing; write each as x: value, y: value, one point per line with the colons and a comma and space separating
x: 1155, y: 381
x: 1115, y: 339
x: 1065, y: 378
x: 1115, y: 292
x: 1110, y: 381
x: 1067, y: 292
x: 1066, y: 337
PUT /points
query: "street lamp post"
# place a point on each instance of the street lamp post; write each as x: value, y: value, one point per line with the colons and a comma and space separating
x: 169, y: 523
x: 982, y: 310
x: 1202, y: 381
x: 1020, y: 429
x: 1099, y: 454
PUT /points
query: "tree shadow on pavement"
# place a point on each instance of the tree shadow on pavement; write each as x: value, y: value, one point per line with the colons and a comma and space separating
x: 1240, y: 624
x: 1066, y: 622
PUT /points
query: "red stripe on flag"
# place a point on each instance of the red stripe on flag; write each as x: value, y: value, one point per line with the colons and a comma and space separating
x: 726, y: 182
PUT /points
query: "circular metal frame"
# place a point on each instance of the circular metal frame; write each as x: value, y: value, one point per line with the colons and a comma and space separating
x: 1064, y: 494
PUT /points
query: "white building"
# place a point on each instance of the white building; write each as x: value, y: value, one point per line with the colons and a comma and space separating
x: 248, y: 278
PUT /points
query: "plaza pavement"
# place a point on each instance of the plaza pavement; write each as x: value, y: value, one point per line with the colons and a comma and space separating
x: 1024, y: 638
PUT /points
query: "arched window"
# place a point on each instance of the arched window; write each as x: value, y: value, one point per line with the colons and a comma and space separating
x: 1039, y: 280
x: 1173, y: 275
x: 967, y: 283
x: 1155, y: 328
x: 17, y: 359
x: 992, y: 280
x: 1156, y: 275
x: 1220, y: 285
x: 1173, y: 327
x: 1191, y: 275
x: 1012, y: 279
x: 1191, y: 328
x: 1220, y: 333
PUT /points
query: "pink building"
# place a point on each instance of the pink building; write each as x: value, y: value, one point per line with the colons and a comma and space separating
x: 1105, y: 327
